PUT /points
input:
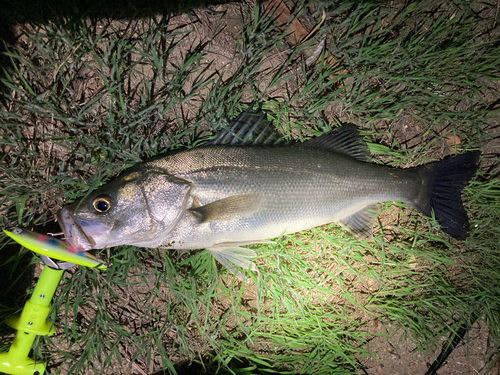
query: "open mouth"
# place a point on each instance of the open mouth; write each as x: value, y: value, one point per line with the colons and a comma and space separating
x: 73, y: 231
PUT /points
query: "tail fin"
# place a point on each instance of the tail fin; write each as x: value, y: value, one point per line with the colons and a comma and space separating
x: 446, y: 179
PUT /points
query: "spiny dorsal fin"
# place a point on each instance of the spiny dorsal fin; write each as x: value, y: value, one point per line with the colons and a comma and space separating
x: 345, y: 140
x: 228, y: 208
x: 249, y: 128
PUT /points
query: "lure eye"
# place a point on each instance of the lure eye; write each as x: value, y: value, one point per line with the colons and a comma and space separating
x: 102, y: 204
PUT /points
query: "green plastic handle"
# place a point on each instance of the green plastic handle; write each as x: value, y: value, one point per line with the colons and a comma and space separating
x: 33, y: 319
x: 30, y: 323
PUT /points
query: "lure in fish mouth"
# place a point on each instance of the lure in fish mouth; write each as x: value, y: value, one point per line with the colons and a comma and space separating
x: 73, y: 231
x: 248, y: 186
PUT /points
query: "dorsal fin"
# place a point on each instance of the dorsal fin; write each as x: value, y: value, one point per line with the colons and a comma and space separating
x: 345, y: 140
x: 249, y: 128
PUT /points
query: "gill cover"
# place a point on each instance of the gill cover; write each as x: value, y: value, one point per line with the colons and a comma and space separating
x: 167, y: 197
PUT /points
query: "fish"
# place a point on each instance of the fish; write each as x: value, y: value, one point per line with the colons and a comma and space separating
x: 248, y: 186
x: 54, y: 248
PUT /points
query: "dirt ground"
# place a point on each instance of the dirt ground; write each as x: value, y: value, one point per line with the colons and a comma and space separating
x: 397, y: 356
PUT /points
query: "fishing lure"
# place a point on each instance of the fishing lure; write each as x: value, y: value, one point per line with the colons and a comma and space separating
x: 54, y: 248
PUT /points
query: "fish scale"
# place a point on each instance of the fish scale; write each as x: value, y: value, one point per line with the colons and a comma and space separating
x: 300, y: 188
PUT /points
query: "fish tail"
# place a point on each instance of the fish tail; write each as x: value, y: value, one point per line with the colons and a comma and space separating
x: 445, y: 180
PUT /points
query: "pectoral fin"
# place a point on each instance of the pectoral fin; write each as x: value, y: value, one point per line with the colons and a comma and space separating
x: 228, y: 208
x: 360, y: 224
x: 232, y: 257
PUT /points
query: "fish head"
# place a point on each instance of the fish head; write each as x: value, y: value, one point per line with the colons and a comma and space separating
x: 137, y: 208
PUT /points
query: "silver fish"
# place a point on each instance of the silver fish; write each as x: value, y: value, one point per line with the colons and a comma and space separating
x: 247, y: 187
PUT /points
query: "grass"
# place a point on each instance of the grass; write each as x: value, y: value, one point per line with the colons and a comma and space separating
x: 85, y: 99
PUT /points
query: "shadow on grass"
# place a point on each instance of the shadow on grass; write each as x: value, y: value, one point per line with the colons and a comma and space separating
x: 208, y: 367
x: 16, y: 276
x: 13, y: 12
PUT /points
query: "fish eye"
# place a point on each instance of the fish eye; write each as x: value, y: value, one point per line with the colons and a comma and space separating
x: 102, y: 204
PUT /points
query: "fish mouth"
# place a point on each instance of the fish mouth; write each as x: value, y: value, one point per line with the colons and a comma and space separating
x: 73, y: 231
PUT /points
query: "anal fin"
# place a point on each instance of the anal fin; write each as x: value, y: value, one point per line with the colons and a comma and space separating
x: 360, y: 224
